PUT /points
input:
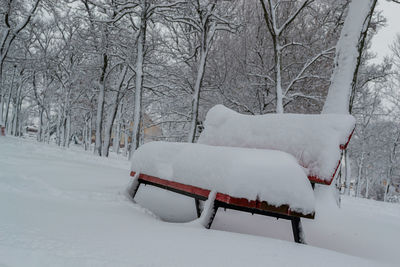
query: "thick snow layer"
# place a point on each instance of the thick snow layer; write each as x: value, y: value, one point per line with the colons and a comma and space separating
x: 338, y: 97
x: 268, y: 175
x: 314, y: 140
x: 68, y: 208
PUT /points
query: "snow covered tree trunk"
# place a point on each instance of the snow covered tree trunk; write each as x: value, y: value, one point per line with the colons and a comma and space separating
x: 117, y: 135
x: 360, y: 168
x: 84, y: 135
x: 113, y: 113
x: 1, y: 96
x: 17, y: 110
x: 348, y: 56
x: 18, y: 106
x: 108, y: 127
x: 386, y: 193
x: 126, y: 141
x: 99, y: 121
x: 137, y: 114
x: 8, y: 106
x: 9, y: 98
x: 68, y: 130
x: 347, y: 173
x: 58, y: 130
x: 196, y: 94
x: 100, y: 108
x: 90, y: 131
x: 1, y: 107
x: 15, y: 117
x: 40, y: 131
x: 64, y: 131
x: 278, y: 79
x: 48, y: 126
x: 18, y: 124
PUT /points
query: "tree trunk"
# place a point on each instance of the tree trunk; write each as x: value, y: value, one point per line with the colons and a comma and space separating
x: 109, y: 125
x: 40, y: 131
x: 84, y: 134
x: 48, y: 126
x: 360, y: 168
x: 117, y: 135
x: 126, y: 140
x: 90, y: 130
x: 63, y: 131
x: 348, y: 56
x: 69, y: 130
x: 137, y: 115
x: 1, y: 108
x: 347, y: 173
x: 113, y: 113
x: 9, y: 99
x: 18, y: 124
x: 387, y: 187
x: 100, y: 107
x: 196, y: 96
x: 58, y: 130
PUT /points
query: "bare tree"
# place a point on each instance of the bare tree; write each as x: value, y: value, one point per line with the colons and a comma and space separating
x: 10, y: 30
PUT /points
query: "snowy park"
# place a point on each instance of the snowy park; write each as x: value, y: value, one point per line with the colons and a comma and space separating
x: 199, y: 133
x: 69, y: 208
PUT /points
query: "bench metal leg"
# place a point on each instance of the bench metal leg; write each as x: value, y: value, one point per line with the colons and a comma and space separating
x: 134, y: 188
x: 198, y: 210
x: 211, y: 217
x: 209, y: 210
x: 298, y: 232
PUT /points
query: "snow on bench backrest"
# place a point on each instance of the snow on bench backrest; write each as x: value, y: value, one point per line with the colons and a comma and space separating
x: 314, y: 140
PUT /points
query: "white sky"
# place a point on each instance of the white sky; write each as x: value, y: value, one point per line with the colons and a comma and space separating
x: 386, y: 35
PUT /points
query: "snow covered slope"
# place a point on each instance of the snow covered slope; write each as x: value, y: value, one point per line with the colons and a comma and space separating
x: 68, y: 208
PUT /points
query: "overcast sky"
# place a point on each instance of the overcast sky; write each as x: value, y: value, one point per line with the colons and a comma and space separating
x: 386, y: 35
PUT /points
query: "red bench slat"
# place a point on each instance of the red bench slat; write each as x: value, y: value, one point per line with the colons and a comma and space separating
x: 183, y: 187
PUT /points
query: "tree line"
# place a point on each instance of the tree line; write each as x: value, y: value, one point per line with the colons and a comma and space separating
x: 111, y: 74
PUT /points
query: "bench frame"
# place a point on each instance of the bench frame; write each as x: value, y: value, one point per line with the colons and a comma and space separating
x: 225, y: 201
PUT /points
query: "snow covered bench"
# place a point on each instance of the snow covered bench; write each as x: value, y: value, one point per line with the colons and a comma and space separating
x: 251, y: 163
x: 253, y: 180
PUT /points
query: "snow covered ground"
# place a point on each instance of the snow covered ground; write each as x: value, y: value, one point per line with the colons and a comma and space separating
x: 68, y: 208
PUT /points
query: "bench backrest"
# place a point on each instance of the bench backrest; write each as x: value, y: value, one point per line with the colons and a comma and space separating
x: 315, y: 141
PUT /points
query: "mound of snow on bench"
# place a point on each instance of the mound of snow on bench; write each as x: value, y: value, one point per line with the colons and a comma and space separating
x: 267, y: 175
x: 314, y: 140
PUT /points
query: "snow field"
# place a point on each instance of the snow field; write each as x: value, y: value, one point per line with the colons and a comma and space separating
x: 68, y: 208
